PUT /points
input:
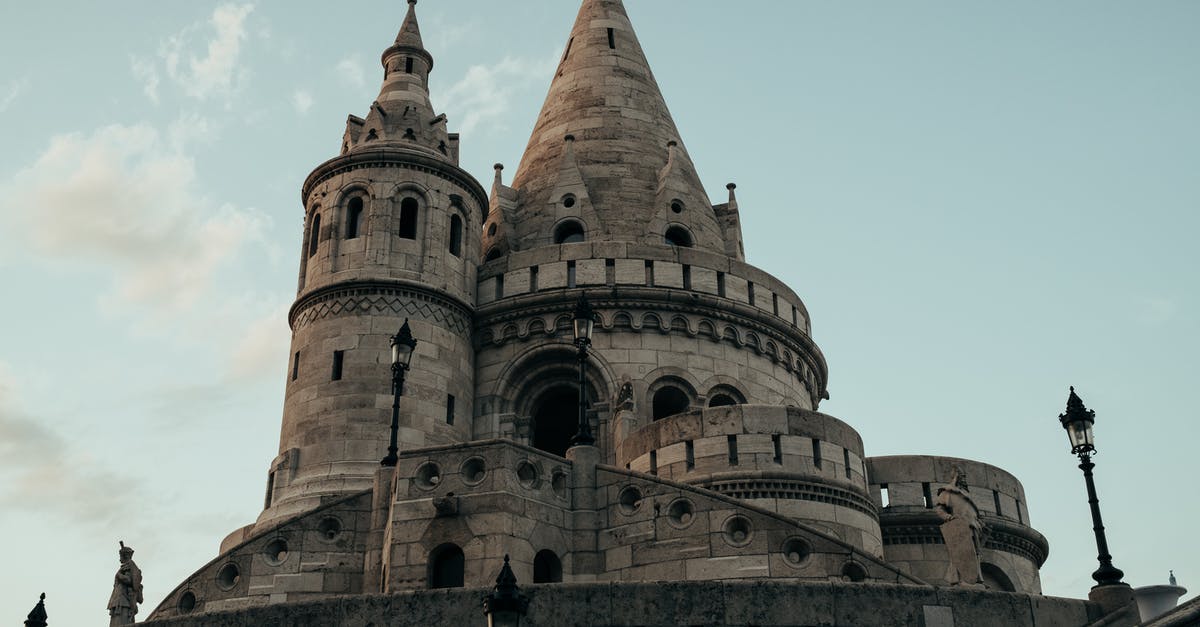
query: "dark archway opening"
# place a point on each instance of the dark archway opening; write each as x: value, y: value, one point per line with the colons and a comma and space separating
x: 995, y: 579
x: 556, y: 419
x: 722, y: 400
x: 546, y: 567
x: 446, y: 566
x: 669, y: 401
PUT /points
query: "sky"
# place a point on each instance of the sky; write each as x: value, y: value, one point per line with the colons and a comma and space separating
x: 980, y: 203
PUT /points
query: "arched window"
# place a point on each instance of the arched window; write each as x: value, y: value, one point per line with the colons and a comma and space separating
x: 546, y: 567
x: 668, y: 401
x: 314, y: 234
x: 568, y: 232
x: 678, y: 236
x: 446, y: 564
x: 408, y: 218
x: 722, y: 400
x: 354, y: 217
x: 455, y: 235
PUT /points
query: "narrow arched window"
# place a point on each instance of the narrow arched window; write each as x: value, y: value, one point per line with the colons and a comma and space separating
x: 668, y: 401
x: 678, y: 236
x: 446, y: 565
x: 568, y: 232
x: 456, y: 235
x: 546, y: 567
x: 314, y: 234
x: 354, y: 217
x: 408, y: 218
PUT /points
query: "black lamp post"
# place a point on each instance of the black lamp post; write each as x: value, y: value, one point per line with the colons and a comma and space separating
x: 585, y: 321
x: 1078, y: 421
x: 505, y: 605
x: 403, y: 346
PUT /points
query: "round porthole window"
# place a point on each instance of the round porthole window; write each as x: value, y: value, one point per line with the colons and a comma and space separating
x: 276, y: 551
x: 629, y: 500
x: 568, y: 201
x: 187, y: 602
x: 473, y: 471
x: 228, y: 576
x: 737, y: 531
x: 330, y: 528
x: 796, y: 551
x: 428, y: 476
x: 677, y: 206
x: 854, y: 572
x: 680, y: 513
x: 527, y: 474
x: 558, y: 483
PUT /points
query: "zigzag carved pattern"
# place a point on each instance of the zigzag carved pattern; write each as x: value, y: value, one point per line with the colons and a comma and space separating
x: 368, y: 305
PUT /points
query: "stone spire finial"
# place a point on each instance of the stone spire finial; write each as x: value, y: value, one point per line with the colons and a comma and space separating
x: 410, y: 31
x: 1171, y: 579
x: 37, y: 618
x: 732, y: 195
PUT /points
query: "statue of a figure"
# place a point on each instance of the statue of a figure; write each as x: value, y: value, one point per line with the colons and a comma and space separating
x: 127, y: 590
x: 961, y: 529
x: 625, y: 395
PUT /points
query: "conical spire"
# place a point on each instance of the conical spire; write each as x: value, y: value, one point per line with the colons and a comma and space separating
x: 410, y: 32
x: 605, y: 95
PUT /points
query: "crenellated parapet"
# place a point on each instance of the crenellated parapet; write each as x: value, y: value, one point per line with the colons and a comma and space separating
x: 905, y: 488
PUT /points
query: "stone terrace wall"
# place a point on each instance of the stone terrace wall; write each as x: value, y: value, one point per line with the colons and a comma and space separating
x: 719, y: 604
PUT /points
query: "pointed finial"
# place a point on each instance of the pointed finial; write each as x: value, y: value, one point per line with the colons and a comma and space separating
x: 1172, y: 579
x: 732, y: 196
x: 37, y: 617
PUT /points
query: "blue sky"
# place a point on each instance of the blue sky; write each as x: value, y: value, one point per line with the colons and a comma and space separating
x: 980, y: 203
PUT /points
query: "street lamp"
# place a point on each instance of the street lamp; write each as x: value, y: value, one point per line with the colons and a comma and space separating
x: 403, y: 345
x: 505, y: 605
x: 585, y: 321
x: 1078, y: 421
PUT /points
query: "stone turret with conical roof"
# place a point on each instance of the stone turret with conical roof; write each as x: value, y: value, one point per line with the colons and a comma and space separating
x: 640, y: 181
x: 403, y: 114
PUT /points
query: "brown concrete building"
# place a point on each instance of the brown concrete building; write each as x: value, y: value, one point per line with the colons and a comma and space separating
x: 715, y: 491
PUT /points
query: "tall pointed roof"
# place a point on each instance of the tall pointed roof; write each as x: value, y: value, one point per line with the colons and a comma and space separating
x: 408, y: 40
x: 605, y: 95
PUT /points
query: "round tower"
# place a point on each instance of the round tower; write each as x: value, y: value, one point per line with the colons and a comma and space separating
x: 392, y: 232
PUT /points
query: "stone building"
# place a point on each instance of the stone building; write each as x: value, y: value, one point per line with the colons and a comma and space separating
x: 715, y: 492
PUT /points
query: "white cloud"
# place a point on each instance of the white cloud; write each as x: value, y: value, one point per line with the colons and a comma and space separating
x: 125, y: 202
x: 302, y: 100
x: 262, y: 349
x: 350, y: 69
x: 201, y: 71
x: 12, y: 91
x: 485, y: 93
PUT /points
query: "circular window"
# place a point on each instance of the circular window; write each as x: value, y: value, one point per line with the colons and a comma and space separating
x: 737, y: 530
x: 854, y: 572
x: 473, y: 471
x: 428, y: 476
x: 558, y: 483
x: 228, y: 576
x: 527, y: 474
x: 630, y: 499
x: 187, y: 602
x: 491, y: 229
x: 796, y: 551
x: 330, y: 528
x: 678, y: 236
x: 680, y: 513
x: 568, y: 232
x: 568, y: 201
x: 677, y: 206
x: 276, y: 551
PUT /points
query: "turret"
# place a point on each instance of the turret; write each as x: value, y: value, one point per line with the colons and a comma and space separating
x: 393, y: 227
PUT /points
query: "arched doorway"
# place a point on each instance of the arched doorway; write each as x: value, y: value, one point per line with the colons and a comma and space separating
x: 546, y: 567
x: 446, y: 567
x: 556, y: 419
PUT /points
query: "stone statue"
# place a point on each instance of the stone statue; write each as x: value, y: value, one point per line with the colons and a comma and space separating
x: 127, y: 590
x: 961, y: 529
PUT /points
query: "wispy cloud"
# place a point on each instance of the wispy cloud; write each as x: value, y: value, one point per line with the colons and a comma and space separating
x: 124, y: 200
x: 202, y: 60
x: 42, y: 472
x: 484, y: 94
x: 302, y: 100
x: 1157, y: 310
x: 350, y: 70
x: 12, y: 91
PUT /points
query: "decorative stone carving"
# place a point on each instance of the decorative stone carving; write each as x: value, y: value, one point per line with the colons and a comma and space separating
x: 961, y: 529
x: 127, y: 590
x: 625, y: 395
x: 446, y: 505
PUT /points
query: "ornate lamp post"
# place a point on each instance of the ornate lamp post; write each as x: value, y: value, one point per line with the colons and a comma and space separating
x: 403, y: 346
x: 505, y: 606
x: 585, y: 320
x: 1078, y: 421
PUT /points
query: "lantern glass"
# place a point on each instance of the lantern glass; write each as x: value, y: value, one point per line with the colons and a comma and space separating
x: 402, y: 353
x: 583, y: 329
x: 1080, y: 434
